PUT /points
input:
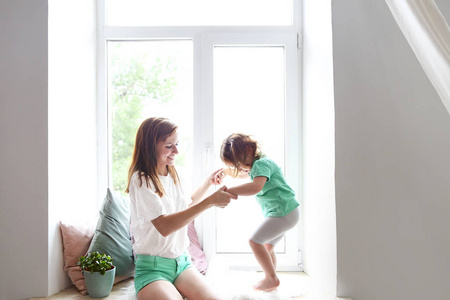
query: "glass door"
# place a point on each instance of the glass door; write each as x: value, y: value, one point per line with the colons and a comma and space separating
x: 250, y: 95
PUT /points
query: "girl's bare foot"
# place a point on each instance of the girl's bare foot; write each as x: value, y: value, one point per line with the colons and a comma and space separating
x: 267, y: 284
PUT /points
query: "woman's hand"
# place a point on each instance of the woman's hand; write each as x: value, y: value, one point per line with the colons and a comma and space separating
x: 216, y: 177
x: 221, y: 198
x: 167, y: 224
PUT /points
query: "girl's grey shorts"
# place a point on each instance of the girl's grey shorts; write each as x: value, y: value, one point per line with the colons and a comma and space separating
x: 272, y: 229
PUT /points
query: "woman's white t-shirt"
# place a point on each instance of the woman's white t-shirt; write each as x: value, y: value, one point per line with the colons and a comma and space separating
x: 147, y: 205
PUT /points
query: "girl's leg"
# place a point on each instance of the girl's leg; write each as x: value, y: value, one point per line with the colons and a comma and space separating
x: 269, y: 248
x: 194, y: 287
x: 264, y: 258
x: 262, y: 242
x: 159, y: 290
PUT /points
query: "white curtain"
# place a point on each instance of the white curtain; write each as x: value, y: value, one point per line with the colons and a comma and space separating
x: 428, y: 34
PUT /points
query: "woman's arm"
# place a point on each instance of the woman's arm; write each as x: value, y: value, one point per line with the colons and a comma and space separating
x: 167, y: 224
x: 248, y: 189
x: 214, y: 178
x: 229, y: 172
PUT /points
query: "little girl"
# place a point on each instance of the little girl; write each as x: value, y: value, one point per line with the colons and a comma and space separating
x: 244, y: 158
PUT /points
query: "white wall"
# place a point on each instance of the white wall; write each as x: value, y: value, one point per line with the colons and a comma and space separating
x: 72, y: 126
x: 392, y: 161
x: 318, y: 201
x: 23, y: 148
x: 47, y: 137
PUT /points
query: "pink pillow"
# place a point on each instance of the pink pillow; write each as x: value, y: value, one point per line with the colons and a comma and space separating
x: 196, y: 252
x: 76, y: 241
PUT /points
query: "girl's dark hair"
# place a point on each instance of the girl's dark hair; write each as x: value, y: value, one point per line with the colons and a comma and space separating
x: 237, y: 148
x: 151, y: 131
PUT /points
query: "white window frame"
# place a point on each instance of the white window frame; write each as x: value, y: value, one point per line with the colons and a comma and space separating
x: 204, y: 38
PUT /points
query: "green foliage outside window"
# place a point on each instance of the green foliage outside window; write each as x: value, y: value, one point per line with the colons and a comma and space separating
x: 137, y: 82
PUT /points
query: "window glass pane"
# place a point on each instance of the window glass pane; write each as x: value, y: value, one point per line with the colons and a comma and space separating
x: 249, y: 97
x: 149, y: 79
x: 199, y: 13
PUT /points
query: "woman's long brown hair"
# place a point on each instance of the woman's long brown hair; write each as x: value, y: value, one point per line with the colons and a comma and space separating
x: 151, y: 131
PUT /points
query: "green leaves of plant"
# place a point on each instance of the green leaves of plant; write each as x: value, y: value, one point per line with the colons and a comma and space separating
x: 95, y: 262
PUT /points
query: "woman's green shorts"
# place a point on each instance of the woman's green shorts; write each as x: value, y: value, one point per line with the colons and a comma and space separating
x: 152, y: 268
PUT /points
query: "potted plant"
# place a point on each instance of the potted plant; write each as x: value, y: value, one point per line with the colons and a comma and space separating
x: 99, y: 273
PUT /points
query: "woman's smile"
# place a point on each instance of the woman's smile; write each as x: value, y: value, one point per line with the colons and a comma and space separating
x: 166, y: 152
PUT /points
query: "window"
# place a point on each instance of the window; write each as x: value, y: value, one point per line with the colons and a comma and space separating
x: 212, y: 76
x: 148, y: 78
x: 199, y: 13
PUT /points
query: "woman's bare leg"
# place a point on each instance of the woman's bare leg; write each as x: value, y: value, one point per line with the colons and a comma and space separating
x: 159, y: 290
x: 193, y: 286
x: 271, y: 281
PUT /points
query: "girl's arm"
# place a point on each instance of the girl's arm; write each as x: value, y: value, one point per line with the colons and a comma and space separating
x: 167, y: 224
x: 248, y: 189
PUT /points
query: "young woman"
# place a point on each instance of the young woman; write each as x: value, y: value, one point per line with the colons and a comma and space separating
x: 160, y: 213
x: 244, y: 159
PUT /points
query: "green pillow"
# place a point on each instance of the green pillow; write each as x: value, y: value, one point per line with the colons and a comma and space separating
x: 112, y: 234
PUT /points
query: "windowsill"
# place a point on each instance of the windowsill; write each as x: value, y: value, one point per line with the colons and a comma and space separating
x: 235, y: 284
x: 229, y: 284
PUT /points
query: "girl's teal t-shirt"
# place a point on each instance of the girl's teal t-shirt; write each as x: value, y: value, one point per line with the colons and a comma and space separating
x: 277, y: 198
